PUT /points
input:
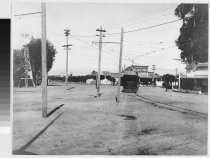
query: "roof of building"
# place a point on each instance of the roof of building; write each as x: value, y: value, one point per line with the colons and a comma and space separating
x: 112, y: 74
x: 140, y: 66
x: 130, y: 68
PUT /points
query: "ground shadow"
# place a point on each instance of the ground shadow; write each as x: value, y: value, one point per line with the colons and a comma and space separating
x: 70, y: 88
x: 54, y: 110
x: 22, y: 151
x: 128, y: 117
x: 53, y: 85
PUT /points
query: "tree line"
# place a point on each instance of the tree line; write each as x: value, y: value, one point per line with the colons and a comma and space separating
x: 80, y: 78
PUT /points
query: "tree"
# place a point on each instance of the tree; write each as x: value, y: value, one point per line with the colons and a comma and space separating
x: 193, y: 39
x: 168, y: 79
x: 112, y: 79
x: 93, y: 72
x: 18, y: 63
x: 34, y: 47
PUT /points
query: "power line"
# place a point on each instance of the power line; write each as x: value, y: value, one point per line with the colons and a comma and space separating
x: 128, y: 18
x: 144, y: 28
x: 148, y: 43
x: 137, y: 22
x: 90, y: 56
x: 83, y: 35
x: 153, y: 26
x: 118, y: 33
x: 61, y: 34
x: 91, y: 45
x: 112, y: 33
x: 139, y: 16
x: 120, y: 26
x: 107, y: 50
x: 27, y: 14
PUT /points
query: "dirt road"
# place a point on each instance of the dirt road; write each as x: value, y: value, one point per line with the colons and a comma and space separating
x: 80, y: 124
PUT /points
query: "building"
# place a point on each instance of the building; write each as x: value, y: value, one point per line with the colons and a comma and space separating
x: 196, y: 77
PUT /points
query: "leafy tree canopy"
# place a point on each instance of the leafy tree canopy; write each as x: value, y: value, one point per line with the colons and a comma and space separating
x: 34, y: 47
x: 168, y: 78
x: 193, y: 39
x: 18, y: 63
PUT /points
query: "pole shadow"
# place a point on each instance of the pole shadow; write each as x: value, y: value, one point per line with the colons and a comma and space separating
x: 53, y: 85
x: 22, y: 151
x: 70, y: 88
x: 54, y: 110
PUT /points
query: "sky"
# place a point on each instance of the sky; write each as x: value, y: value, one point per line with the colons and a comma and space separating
x: 150, y: 46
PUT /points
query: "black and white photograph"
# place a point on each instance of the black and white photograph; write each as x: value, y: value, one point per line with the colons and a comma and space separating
x: 110, y: 78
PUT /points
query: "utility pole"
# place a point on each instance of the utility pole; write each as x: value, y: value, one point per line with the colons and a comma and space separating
x: 67, y: 48
x: 153, y: 69
x: 99, y: 60
x: 179, y: 71
x: 120, y: 64
x: 44, y: 62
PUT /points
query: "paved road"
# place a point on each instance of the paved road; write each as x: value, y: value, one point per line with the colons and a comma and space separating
x: 84, y: 125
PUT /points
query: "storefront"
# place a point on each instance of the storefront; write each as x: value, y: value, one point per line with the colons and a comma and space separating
x: 196, y: 78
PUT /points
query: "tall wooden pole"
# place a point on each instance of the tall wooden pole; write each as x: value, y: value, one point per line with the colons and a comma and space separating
x: 66, y: 32
x: 99, y: 63
x: 44, y: 62
x: 120, y: 64
x: 67, y: 58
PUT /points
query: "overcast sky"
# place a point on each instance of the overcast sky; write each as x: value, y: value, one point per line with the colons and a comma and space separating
x: 151, y: 46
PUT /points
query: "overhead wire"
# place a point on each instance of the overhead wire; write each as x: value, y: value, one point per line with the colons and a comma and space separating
x: 139, y: 16
x: 76, y: 36
x: 144, y: 28
x: 26, y: 14
x: 128, y: 18
x: 91, y: 45
x: 141, y: 21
